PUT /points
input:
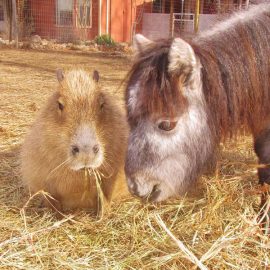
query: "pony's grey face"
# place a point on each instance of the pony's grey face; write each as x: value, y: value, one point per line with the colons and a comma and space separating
x: 153, y: 164
x: 165, y: 153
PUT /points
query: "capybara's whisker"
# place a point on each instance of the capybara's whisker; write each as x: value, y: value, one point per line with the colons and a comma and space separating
x: 105, y: 170
x: 58, y: 167
x: 106, y: 163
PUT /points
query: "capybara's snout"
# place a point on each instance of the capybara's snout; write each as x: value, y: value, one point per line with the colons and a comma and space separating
x: 76, y: 149
x: 85, y: 149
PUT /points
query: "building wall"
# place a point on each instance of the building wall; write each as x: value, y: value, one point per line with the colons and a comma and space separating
x: 2, y: 20
x: 156, y: 25
x: 44, y: 17
x: 121, y: 20
x: 45, y: 25
x: 120, y: 17
x: 39, y: 17
x: 140, y: 8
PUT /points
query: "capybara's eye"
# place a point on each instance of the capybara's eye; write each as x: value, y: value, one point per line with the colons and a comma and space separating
x: 102, y: 105
x: 101, y: 102
x: 167, y: 125
x: 60, y: 106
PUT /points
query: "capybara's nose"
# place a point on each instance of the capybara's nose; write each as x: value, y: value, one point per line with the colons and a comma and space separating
x: 86, y: 149
x: 75, y: 150
x: 96, y: 149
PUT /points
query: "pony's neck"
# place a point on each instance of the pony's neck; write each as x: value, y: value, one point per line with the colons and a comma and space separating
x: 235, y: 71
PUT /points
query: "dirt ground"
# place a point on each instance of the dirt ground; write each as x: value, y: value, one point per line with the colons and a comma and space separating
x: 217, y: 229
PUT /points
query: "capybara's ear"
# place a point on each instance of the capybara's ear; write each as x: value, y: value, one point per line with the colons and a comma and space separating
x: 95, y: 76
x: 60, y: 75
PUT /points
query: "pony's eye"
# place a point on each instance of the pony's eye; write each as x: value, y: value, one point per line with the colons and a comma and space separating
x: 60, y: 106
x: 167, y: 125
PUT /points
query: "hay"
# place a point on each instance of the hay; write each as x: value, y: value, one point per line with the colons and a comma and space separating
x: 216, y: 228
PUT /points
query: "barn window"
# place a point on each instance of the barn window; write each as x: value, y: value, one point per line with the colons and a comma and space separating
x: 157, y: 6
x: 84, y: 13
x: 64, y: 12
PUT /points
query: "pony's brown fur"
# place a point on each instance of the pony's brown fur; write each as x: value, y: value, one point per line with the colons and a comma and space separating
x: 236, y: 73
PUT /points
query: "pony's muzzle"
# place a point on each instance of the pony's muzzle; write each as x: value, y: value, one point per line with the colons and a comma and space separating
x: 153, y: 195
x: 147, y: 195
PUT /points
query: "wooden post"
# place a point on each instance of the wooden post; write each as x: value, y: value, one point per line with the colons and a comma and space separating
x: 187, y: 8
x: 240, y: 4
x: 163, y: 6
x: 171, y: 18
x: 15, y: 23
x: 197, y: 13
x: 99, y: 17
x: 201, y: 6
x: 8, y: 16
x: 218, y: 7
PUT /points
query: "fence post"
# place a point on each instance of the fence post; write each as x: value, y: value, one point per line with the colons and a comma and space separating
x: 197, y: 13
x: 171, y: 18
x: 15, y: 23
x: 8, y: 16
x: 99, y: 17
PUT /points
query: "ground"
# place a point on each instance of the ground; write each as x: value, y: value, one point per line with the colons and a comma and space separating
x: 214, y: 228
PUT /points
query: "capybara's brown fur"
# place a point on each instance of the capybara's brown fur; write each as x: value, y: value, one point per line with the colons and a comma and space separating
x: 82, y: 128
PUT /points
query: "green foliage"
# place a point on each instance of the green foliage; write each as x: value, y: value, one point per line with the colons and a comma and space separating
x: 105, y: 40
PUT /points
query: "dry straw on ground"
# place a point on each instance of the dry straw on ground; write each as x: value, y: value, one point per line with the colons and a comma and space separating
x: 216, y: 228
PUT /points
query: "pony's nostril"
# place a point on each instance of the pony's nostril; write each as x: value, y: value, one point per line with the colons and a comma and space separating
x: 132, y: 186
x: 96, y: 149
x: 75, y: 149
x: 154, y: 193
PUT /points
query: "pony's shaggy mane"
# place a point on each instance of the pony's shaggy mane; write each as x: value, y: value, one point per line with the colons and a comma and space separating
x: 235, y: 73
x: 236, y: 70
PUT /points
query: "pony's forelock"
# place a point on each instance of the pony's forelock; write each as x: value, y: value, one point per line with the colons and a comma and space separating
x: 155, y: 91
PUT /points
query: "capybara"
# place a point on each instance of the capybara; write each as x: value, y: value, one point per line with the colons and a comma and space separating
x: 81, y: 133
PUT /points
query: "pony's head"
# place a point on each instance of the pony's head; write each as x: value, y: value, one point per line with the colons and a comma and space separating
x: 170, y: 136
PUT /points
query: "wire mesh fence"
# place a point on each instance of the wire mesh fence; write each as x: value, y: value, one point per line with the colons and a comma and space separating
x: 72, y: 20
x: 163, y: 19
x: 63, y: 20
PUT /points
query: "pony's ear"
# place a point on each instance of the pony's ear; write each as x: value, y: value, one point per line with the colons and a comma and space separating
x: 140, y: 42
x: 182, y: 58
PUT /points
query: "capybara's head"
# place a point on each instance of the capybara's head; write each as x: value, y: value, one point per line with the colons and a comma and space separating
x: 82, y: 119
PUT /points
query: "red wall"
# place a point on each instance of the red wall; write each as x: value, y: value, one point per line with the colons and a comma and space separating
x: 121, y: 16
x: 44, y: 15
